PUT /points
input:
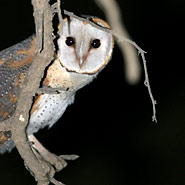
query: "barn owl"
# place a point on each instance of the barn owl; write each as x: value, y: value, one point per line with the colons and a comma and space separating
x: 83, y: 51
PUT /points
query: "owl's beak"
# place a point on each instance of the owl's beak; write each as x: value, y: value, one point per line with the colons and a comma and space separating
x: 81, y: 62
x: 82, y: 59
x: 82, y: 53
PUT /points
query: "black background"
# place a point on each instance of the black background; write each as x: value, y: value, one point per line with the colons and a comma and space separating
x: 109, y: 125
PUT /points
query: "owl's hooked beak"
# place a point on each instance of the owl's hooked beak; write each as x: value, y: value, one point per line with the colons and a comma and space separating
x: 81, y: 58
x: 82, y: 50
x: 81, y: 62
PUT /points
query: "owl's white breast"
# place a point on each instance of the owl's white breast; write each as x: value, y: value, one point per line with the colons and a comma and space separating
x: 48, y: 108
x: 51, y: 108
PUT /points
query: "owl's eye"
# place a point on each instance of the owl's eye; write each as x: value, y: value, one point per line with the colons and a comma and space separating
x: 70, y: 41
x: 95, y: 43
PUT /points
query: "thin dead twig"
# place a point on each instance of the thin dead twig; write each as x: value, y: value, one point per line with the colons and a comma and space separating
x: 60, y: 18
x: 50, y: 90
x: 146, y: 82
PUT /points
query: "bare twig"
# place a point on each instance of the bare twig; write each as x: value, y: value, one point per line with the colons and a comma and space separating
x: 61, y: 19
x: 146, y: 82
x: 54, y: 181
x: 50, y: 90
x: 133, y: 68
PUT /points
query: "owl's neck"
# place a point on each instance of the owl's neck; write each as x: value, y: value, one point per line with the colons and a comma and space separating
x: 58, y: 77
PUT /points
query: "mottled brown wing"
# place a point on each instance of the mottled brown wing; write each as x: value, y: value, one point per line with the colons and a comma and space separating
x: 14, y: 63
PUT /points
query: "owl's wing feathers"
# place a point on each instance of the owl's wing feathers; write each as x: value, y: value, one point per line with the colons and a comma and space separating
x: 14, y: 62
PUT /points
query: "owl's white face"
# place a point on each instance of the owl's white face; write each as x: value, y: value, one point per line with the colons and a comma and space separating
x: 84, y: 48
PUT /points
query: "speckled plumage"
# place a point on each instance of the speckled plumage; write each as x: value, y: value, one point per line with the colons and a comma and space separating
x: 14, y: 62
x: 72, y: 69
x: 48, y: 108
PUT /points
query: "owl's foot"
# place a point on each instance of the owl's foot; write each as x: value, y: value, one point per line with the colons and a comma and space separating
x: 58, y: 162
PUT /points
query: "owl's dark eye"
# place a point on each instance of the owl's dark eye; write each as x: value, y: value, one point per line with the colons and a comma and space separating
x: 95, y: 43
x: 70, y: 41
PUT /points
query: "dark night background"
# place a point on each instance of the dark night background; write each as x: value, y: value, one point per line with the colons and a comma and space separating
x: 109, y: 125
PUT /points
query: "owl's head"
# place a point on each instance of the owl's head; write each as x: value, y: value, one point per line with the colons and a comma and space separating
x: 84, y: 48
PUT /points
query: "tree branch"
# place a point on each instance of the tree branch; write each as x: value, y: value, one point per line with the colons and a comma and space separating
x: 18, y: 122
